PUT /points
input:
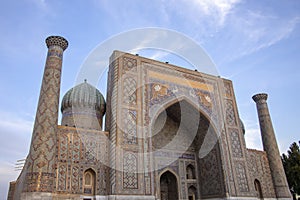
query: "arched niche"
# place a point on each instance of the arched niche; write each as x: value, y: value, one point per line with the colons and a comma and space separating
x: 89, y: 182
x: 181, y: 128
x: 178, y: 123
x: 168, y: 186
x: 192, y: 193
x: 190, y: 172
x: 258, y: 189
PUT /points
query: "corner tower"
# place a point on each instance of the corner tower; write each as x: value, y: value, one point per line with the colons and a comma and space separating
x: 40, y: 163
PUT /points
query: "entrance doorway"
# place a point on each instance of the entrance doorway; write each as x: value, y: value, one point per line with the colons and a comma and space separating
x: 192, y: 191
x: 168, y: 186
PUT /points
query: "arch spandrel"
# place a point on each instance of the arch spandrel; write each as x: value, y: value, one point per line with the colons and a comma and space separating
x: 156, y: 110
x: 204, y: 101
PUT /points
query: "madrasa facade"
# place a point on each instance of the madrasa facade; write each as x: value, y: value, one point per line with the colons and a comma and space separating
x: 169, y: 133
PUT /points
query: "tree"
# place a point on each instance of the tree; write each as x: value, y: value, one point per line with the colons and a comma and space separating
x: 291, y: 164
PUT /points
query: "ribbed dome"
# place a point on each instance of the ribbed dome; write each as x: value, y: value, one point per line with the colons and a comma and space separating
x: 84, y: 95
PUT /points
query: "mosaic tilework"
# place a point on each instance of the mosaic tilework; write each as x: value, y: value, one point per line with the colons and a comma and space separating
x: 129, y: 64
x: 41, y: 158
x: 236, y: 147
x: 258, y: 167
x: 62, y: 178
x: 129, y: 128
x: 227, y: 88
x: 130, y: 175
x: 90, y: 149
x: 75, y: 184
x: 129, y: 91
x: 242, y: 178
x: 210, y: 167
x: 230, y: 115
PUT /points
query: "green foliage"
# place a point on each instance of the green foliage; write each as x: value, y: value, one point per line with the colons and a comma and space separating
x: 291, y: 164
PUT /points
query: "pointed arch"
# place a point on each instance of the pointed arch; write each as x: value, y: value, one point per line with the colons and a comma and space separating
x: 168, y: 186
x: 258, y: 189
x: 189, y: 130
x: 182, y: 98
x: 190, y: 172
x: 89, y: 182
x: 192, y: 193
x: 184, y: 114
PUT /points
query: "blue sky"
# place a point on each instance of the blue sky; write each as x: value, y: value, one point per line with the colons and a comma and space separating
x: 254, y: 43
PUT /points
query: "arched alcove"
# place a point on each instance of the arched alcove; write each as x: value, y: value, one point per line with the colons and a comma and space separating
x: 190, y: 172
x: 89, y: 182
x: 168, y: 186
x: 192, y: 193
x: 258, y: 189
x: 180, y: 128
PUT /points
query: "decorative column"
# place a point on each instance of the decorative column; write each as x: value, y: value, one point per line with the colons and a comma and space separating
x: 271, y: 148
x: 40, y: 163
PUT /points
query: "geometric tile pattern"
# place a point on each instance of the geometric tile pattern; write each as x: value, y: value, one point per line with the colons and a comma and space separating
x: 230, y: 115
x: 210, y: 167
x: 130, y: 175
x: 86, y: 149
x: 43, y: 147
x: 129, y: 64
x: 235, y: 143
x: 129, y: 91
x: 76, y: 149
x: 62, y: 178
x: 63, y: 147
x: 75, y: 178
x: 90, y: 149
x: 129, y: 126
x: 227, y: 88
x: 259, y: 169
x: 242, y: 179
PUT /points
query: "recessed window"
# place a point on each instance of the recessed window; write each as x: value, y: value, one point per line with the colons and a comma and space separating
x: 190, y: 172
x: 89, y: 182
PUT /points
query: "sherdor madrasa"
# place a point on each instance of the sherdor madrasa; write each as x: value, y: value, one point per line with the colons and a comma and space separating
x: 170, y: 133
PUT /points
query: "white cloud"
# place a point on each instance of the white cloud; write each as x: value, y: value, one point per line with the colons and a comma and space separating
x: 253, y: 139
x: 261, y: 31
x: 248, y: 31
x: 159, y: 55
x: 252, y: 135
x: 217, y: 9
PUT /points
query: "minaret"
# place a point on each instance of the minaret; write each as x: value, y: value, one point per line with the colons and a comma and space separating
x: 40, y: 163
x: 271, y: 148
